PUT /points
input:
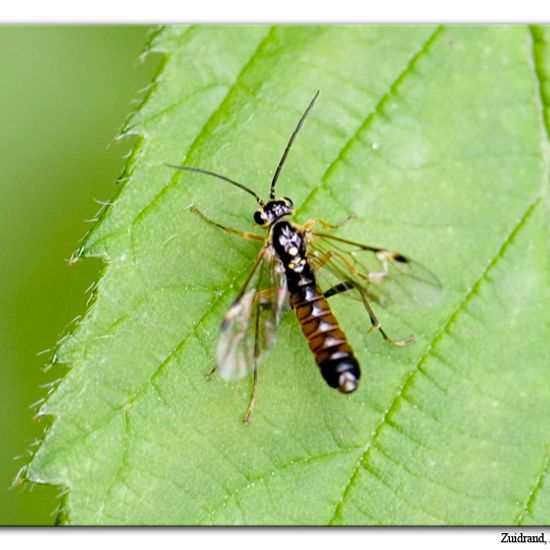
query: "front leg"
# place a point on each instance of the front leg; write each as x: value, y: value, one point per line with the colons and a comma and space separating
x: 327, y: 225
x: 242, y: 234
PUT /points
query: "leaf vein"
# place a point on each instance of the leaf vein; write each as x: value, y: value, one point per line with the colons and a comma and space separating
x: 278, y: 469
x: 409, y: 381
x: 541, y: 100
x: 201, y: 133
x: 376, y: 111
x: 531, y: 497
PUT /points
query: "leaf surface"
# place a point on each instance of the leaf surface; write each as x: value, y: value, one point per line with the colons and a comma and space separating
x: 437, y: 138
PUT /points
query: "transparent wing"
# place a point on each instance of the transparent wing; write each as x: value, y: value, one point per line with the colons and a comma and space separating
x: 386, y: 276
x: 250, y: 323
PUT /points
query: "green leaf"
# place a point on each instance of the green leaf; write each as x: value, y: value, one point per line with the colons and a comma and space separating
x: 437, y: 138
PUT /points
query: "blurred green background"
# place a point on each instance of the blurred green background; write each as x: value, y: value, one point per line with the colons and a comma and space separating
x: 64, y: 95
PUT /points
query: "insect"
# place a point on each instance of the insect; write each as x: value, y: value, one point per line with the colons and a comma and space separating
x: 287, y: 272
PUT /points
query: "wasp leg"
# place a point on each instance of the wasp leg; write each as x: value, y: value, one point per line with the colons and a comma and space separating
x: 252, y: 403
x: 370, y: 278
x: 327, y: 225
x: 262, y: 296
x: 242, y: 234
x: 248, y: 417
x: 210, y: 373
x: 320, y: 261
x: 348, y: 285
x: 338, y: 289
x: 377, y: 326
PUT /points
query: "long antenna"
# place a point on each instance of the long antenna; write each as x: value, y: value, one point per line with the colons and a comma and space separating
x: 219, y: 176
x: 289, y: 145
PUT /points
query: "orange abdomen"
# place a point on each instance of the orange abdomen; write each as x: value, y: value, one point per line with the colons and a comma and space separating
x: 326, y: 339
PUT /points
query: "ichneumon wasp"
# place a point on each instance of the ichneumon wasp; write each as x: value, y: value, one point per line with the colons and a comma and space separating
x: 286, y: 272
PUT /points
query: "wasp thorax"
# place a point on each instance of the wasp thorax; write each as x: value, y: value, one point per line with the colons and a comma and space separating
x: 273, y: 210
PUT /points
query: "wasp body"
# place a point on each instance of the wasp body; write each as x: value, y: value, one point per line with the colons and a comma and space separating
x: 326, y: 339
x: 285, y: 273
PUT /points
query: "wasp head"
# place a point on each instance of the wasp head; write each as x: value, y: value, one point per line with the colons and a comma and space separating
x: 272, y: 211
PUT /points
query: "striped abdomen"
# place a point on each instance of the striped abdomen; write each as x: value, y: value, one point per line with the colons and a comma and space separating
x: 326, y: 339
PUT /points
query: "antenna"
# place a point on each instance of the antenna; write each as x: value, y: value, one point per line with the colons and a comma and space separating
x: 219, y: 176
x: 289, y: 145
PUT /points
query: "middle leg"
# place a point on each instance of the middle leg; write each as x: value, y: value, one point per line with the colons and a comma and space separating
x: 375, y: 323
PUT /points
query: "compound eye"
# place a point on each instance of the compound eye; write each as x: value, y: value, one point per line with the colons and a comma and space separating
x: 290, y: 203
x: 260, y: 217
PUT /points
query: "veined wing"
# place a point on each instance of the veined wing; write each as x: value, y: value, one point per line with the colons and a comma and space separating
x: 386, y: 276
x: 250, y: 323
